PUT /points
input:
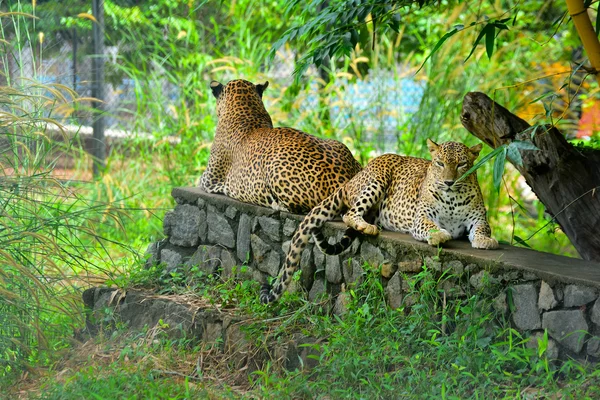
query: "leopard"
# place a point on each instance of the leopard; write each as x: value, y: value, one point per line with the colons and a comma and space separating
x: 277, y: 167
x: 433, y: 200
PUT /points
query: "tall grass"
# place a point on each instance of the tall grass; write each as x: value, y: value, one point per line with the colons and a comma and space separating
x: 49, y: 243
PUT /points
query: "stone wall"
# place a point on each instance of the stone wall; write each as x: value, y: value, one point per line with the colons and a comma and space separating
x: 538, y: 291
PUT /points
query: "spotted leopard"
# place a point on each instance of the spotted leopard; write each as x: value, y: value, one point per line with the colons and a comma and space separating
x: 282, y: 168
x: 405, y: 194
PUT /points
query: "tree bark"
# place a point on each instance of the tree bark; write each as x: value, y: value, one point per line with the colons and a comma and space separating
x: 565, y: 178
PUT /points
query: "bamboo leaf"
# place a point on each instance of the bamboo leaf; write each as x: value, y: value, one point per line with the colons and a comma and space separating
x: 499, y: 169
x: 489, y: 41
x: 482, y: 161
x: 437, y: 46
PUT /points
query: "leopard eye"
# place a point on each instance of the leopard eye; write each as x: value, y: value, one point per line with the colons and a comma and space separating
x: 462, y: 165
x: 439, y: 164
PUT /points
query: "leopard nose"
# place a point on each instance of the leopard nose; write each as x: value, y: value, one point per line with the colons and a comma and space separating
x: 449, y: 183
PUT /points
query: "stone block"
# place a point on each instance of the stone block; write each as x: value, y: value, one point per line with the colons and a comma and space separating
x: 260, y: 248
x: 285, y: 247
x: 243, y: 237
x: 526, y: 315
x: 595, y: 313
x: 593, y: 346
x: 352, y: 271
x: 456, y: 266
x: 203, y: 227
x: 228, y: 262
x: 410, y: 266
x: 371, y: 254
x: 213, y: 332
x: 319, y: 259
x: 432, y: 264
x: 172, y: 259
x: 333, y: 271
x: 340, y: 307
x: 270, y: 263
x: 500, y: 304
x: 388, y: 269
x: 568, y: 327
x: 393, y: 291
x: 271, y: 227
x: 546, y: 300
x: 206, y: 258
x: 578, y: 295
x: 231, y: 212
x: 482, y: 279
x: 529, y: 276
x: 219, y: 230
x: 317, y: 291
x: 289, y: 227
x: 182, y: 225
x: 308, y: 268
x: 200, y: 203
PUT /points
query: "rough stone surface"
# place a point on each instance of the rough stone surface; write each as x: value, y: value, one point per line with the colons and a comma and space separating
x: 371, y: 254
x: 203, y: 227
x: 212, y: 332
x: 546, y: 300
x: 200, y: 203
x: 219, y: 230
x: 456, y: 266
x: 317, y: 290
x: 319, y: 259
x: 228, y: 263
x: 340, y: 307
x: 595, y: 313
x: 270, y: 263
x: 260, y: 248
x: 593, y: 347
x: 172, y: 260
x: 577, y: 295
x: 308, y: 269
x: 182, y: 225
x: 393, y: 291
x: 568, y: 327
x: 452, y: 289
x: 352, y: 271
x: 271, y: 227
x: 289, y: 227
x: 551, y: 348
x: 206, y: 258
x: 243, y: 237
x: 482, y: 279
x: 432, y: 264
x: 530, y: 276
x: 500, y: 304
x: 388, y: 269
x: 410, y: 266
x: 472, y: 268
x: 526, y: 315
x: 333, y: 271
x: 285, y: 247
x: 230, y: 212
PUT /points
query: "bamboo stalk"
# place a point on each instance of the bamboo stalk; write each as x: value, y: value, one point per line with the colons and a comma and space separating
x: 586, y: 33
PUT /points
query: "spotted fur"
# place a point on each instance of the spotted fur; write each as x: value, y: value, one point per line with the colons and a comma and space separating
x: 281, y: 168
x: 405, y: 194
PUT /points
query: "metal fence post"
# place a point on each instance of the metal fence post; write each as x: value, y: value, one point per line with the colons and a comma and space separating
x: 98, y: 142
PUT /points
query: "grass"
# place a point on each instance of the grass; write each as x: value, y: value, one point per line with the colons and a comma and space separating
x: 453, y: 348
x: 58, y: 236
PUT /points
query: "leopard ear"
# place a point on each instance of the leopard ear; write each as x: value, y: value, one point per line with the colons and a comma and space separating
x: 260, y: 88
x: 475, y: 150
x: 216, y: 88
x: 432, y: 146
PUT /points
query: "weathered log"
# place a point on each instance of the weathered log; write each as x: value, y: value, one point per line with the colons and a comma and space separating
x: 565, y: 178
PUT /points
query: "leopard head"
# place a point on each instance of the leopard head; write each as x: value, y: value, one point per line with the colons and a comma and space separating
x: 449, y: 161
x: 240, y: 99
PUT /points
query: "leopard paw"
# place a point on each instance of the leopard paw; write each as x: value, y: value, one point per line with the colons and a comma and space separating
x: 439, y: 237
x: 484, y: 242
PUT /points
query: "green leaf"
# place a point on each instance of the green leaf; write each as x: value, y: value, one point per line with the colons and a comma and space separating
x: 489, y: 41
x: 513, y: 151
x: 499, y: 169
x: 482, y: 161
x: 437, y: 46
x: 521, y: 241
x: 481, y: 34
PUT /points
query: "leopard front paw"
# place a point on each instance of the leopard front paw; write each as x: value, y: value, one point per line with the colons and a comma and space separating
x: 484, y: 242
x: 361, y: 226
x: 438, y: 237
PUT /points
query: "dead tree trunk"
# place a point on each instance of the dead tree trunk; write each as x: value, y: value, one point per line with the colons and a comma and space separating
x: 565, y: 178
